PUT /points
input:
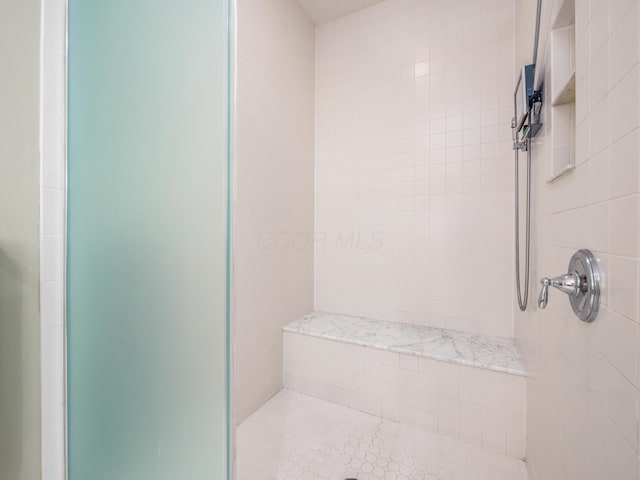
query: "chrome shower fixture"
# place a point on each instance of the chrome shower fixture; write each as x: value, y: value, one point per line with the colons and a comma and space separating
x: 527, y: 102
x: 581, y: 284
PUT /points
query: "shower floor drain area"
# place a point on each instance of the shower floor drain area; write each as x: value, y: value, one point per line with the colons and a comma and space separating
x: 295, y: 437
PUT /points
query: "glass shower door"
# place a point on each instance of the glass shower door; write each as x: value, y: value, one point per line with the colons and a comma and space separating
x: 147, y: 236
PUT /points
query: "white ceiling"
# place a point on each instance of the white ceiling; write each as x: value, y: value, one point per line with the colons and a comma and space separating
x: 321, y: 11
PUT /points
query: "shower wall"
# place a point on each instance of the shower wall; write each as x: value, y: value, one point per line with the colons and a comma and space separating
x: 414, y: 187
x: 273, y: 260
x: 583, y: 383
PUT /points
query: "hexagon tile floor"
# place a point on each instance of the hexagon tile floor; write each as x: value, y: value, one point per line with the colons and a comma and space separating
x: 295, y: 437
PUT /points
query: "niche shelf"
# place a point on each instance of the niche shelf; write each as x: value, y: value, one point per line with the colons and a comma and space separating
x: 563, y: 66
x: 562, y: 90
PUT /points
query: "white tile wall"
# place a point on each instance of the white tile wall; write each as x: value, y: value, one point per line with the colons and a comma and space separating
x: 583, y: 388
x: 482, y: 407
x: 273, y: 205
x: 414, y: 164
x: 52, y: 194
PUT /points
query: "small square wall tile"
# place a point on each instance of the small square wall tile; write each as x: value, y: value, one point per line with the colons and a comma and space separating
x: 516, y: 393
x: 624, y: 226
x: 429, y: 402
x: 624, y: 105
x: 623, y: 286
x: 622, y: 406
x: 390, y: 409
x: 516, y: 424
x: 448, y: 387
x: 448, y: 407
x: 471, y: 391
x: 428, y: 379
x: 408, y: 362
x: 598, y: 172
x: 600, y: 126
x: 622, y: 348
x: 620, y: 456
x: 471, y: 413
x: 390, y: 359
x: 471, y: 433
x: 493, y: 420
x: 448, y: 369
x: 409, y: 398
x: 358, y: 401
x: 515, y: 446
x: 599, y: 27
x: 390, y: 379
x: 624, y: 165
x: 624, y: 44
x: 494, y: 441
x: 599, y: 227
x: 449, y: 426
x: 493, y: 377
x: 618, y: 11
x: 429, y: 422
x: 409, y: 416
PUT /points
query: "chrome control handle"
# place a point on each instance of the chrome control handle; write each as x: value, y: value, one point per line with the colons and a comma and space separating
x: 581, y: 284
x: 569, y: 283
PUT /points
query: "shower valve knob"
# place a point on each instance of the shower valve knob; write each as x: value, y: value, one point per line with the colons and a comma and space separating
x: 581, y: 284
x: 568, y: 283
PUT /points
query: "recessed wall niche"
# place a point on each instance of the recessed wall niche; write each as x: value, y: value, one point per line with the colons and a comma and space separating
x: 562, y: 90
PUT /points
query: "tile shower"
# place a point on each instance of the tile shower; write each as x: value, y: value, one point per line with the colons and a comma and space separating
x: 375, y: 333
x: 409, y: 145
x: 412, y: 324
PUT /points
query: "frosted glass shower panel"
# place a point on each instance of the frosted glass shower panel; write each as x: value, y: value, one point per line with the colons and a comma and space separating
x: 147, y: 240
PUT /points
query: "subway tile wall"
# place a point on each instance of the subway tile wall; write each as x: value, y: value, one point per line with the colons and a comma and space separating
x: 413, y: 172
x: 273, y: 204
x: 482, y: 407
x: 52, y: 224
x: 583, y: 389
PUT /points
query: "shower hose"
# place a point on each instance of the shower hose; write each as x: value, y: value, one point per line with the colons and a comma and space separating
x: 523, y: 296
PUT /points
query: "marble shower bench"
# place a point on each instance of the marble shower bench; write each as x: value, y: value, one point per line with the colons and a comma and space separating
x: 463, y: 385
